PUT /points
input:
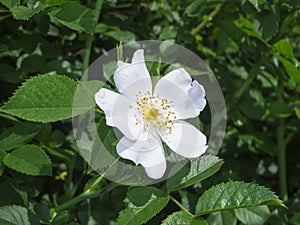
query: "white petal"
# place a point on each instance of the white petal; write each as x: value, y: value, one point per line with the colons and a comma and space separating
x: 150, y: 154
x: 138, y: 56
x: 157, y: 171
x: 186, y: 140
x: 130, y: 78
x: 187, y: 95
x: 116, y: 108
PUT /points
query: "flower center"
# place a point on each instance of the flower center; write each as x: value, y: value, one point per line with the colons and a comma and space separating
x: 150, y: 113
x: 154, y: 111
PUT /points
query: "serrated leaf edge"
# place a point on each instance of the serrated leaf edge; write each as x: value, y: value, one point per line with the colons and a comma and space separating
x: 42, y: 151
x: 280, y: 202
x: 127, y: 202
x: 21, y: 86
x: 218, y: 165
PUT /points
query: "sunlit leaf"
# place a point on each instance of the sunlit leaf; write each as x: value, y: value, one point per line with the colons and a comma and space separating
x: 253, y: 215
x: 75, y: 16
x: 142, y: 204
x: 10, y: 3
x: 257, y: 3
x: 29, y: 159
x: 183, y: 218
x: 17, y: 135
x: 121, y: 36
x: 222, y: 218
x: 197, y: 170
x: 16, y: 215
x: 284, y: 47
x: 232, y: 195
x: 48, y: 98
x: 21, y: 12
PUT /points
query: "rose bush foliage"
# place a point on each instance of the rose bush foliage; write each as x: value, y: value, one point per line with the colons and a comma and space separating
x: 252, y: 46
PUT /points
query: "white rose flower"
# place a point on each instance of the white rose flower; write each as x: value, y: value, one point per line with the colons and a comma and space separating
x: 146, y: 117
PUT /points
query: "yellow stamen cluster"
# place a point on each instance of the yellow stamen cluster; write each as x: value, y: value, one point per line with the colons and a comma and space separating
x: 155, y: 111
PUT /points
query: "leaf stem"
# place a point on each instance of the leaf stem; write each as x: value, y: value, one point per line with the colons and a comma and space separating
x: 89, y: 193
x: 87, y: 53
x: 245, y: 86
x: 282, y: 160
x: 281, y: 143
x: 181, y: 206
x: 77, y: 199
x: 69, y: 182
x: 90, y: 37
x: 95, y: 184
x: 207, y: 19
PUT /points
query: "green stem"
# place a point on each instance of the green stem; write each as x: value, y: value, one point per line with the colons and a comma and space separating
x: 95, y: 184
x: 252, y: 74
x: 90, y: 37
x: 77, y: 199
x: 89, y: 193
x: 181, y: 206
x: 87, y: 53
x: 100, y: 178
x: 282, y: 160
x: 281, y: 143
x: 207, y: 19
x: 69, y: 184
x: 92, y: 192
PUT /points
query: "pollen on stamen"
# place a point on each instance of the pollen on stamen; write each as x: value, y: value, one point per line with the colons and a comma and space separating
x: 153, y: 111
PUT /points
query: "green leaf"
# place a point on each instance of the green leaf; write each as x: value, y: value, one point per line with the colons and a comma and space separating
x: 260, y: 141
x: 2, y: 155
x: 297, y: 110
x: 10, y: 3
x: 278, y: 110
x: 142, y: 204
x: 48, y: 98
x: 15, y: 195
x: 43, y: 212
x: 257, y: 3
x: 195, y: 8
x: 56, y: 2
x: 295, y: 220
x: 29, y: 159
x: 92, y: 86
x: 75, y: 16
x: 169, y: 32
x: 9, y: 117
x: 291, y: 69
x: 222, y: 218
x: 21, y: 12
x: 61, y: 217
x: 4, y: 222
x: 121, y: 36
x: 17, y: 215
x: 17, y: 135
x: 253, y: 215
x: 235, y: 194
x: 267, y: 24
x: 284, y: 47
x: 9, y: 74
x: 197, y: 170
x: 100, y: 157
x: 251, y: 107
x: 33, y: 63
x: 183, y: 218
